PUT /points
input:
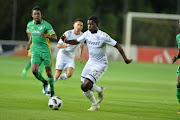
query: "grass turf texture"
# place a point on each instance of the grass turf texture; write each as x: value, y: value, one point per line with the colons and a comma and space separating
x: 139, y: 91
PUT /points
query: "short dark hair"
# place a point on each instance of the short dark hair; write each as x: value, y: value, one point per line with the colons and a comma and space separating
x: 94, y: 18
x: 78, y: 19
x: 37, y: 8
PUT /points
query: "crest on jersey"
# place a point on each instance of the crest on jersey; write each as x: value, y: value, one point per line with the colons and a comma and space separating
x: 40, y: 28
x: 32, y: 27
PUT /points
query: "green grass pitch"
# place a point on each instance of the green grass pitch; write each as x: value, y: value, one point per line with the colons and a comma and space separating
x: 138, y: 91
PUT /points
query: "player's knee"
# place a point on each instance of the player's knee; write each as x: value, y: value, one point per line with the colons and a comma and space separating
x: 69, y: 75
x: 35, y: 72
x: 83, y: 88
x: 178, y: 85
x: 178, y: 81
x: 49, y: 74
x: 87, y: 85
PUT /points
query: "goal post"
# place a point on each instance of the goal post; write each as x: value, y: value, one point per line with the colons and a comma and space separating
x: 129, y: 21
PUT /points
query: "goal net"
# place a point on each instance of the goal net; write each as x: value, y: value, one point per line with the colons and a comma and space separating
x: 151, y: 29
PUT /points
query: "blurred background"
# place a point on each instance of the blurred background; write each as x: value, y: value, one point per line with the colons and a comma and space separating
x: 151, y: 39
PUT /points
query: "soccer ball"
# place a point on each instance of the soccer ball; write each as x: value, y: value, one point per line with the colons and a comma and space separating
x: 55, y: 103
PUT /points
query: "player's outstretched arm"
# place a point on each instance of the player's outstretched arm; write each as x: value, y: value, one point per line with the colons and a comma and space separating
x: 72, y: 42
x: 63, y: 46
x: 52, y: 37
x: 121, y: 51
x: 80, y: 53
x: 176, y: 57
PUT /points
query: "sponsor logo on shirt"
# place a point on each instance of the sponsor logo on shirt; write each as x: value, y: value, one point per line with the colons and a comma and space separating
x: 35, y: 32
x: 92, y: 43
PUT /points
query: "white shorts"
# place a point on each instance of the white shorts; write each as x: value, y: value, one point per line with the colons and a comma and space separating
x: 93, y: 70
x: 64, y: 61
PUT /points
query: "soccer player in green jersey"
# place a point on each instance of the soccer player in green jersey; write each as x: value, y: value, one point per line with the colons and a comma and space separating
x: 178, y: 70
x: 41, y: 31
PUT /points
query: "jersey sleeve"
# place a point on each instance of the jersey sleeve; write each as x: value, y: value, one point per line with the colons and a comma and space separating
x: 27, y: 30
x: 109, y: 40
x: 67, y: 34
x: 61, y: 42
x: 178, y: 40
x: 81, y: 39
x: 50, y: 29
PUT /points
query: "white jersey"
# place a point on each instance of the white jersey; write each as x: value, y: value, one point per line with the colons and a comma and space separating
x: 97, y: 63
x: 96, y: 44
x: 70, y: 51
x: 65, y: 56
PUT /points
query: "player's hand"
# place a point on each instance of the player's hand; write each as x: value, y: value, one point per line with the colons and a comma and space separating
x: 174, y: 59
x: 127, y: 61
x: 63, y: 38
x: 43, y: 35
x: 67, y: 45
x: 27, y: 47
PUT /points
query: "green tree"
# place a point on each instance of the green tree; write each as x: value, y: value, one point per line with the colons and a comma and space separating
x: 6, y: 19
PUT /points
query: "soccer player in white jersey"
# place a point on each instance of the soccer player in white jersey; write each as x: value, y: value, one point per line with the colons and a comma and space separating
x: 97, y: 64
x: 66, y: 53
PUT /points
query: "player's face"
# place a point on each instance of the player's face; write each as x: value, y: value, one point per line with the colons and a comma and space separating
x: 78, y: 26
x: 36, y: 16
x: 92, y: 26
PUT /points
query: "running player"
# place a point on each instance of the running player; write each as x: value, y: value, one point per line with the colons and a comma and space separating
x: 97, y: 64
x: 41, y: 31
x: 178, y: 70
x: 66, y: 53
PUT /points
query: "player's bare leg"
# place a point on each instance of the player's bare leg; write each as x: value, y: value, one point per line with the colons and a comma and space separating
x: 68, y: 74
x: 57, y: 75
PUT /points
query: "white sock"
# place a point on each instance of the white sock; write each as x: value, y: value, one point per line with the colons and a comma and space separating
x: 62, y: 77
x: 96, y: 88
x: 55, y: 79
x: 90, y: 96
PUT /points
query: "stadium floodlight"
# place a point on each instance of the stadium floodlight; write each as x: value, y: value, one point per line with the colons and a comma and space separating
x: 129, y: 19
